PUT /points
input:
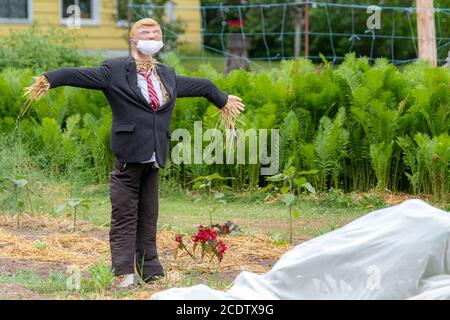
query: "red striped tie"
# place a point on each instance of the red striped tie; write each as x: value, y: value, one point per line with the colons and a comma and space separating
x: 151, y: 90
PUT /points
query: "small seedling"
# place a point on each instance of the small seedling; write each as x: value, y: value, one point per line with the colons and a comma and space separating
x: 214, y: 190
x: 74, y: 204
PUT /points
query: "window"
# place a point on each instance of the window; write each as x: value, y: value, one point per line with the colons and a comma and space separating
x: 89, y: 11
x: 121, y: 9
x: 15, y: 11
x: 141, y: 12
x: 137, y: 12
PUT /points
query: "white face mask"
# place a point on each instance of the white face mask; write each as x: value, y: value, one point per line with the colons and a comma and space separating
x: 149, y: 47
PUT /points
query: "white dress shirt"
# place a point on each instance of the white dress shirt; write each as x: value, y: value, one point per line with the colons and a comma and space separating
x: 142, y: 84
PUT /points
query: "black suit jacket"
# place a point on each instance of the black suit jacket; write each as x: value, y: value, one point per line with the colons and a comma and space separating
x: 136, y: 129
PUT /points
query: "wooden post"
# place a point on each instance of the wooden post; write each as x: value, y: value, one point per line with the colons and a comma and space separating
x: 129, y: 2
x: 306, y: 19
x: 426, y: 31
x: 298, y: 31
x: 237, y: 57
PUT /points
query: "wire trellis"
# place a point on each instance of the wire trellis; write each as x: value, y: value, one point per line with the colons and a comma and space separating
x: 368, y: 39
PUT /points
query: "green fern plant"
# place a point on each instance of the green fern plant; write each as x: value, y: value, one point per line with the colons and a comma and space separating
x: 330, y: 145
x: 381, y: 154
x: 435, y: 155
x: 410, y: 158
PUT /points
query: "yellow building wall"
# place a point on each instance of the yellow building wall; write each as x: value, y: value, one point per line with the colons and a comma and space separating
x: 107, y: 34
x: 192, y: 35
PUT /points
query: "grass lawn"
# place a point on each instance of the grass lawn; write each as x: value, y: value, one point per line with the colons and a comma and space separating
x: 183, y: 212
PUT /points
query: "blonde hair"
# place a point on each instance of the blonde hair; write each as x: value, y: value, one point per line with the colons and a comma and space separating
x: 142, y: 22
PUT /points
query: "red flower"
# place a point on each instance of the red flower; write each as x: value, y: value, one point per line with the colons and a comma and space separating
x: 179, y: 238
x: 204, y: 234
x: 220, y: 247
x: 236, y: 23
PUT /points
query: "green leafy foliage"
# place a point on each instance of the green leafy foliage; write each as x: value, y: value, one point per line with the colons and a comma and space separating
x: 360, y: 126
x: 41, y: 47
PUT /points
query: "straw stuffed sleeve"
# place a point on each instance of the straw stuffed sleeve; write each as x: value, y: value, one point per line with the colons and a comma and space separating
x: 90, y: 78
x: 200, y: 87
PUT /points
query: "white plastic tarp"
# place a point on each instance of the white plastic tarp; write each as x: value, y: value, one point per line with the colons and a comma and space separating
x: 400, y: 252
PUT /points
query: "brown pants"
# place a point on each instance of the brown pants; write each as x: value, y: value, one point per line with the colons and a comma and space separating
x: 134, y: 202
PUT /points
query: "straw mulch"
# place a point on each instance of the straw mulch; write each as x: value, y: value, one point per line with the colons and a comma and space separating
x: 245, y: 253
x: 73, y: 249
x: 255, y: 253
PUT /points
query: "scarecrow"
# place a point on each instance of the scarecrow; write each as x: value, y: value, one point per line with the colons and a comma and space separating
x: 141, y: 92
